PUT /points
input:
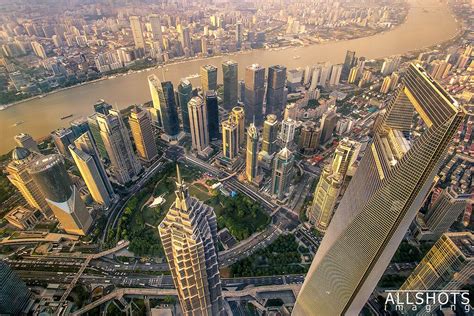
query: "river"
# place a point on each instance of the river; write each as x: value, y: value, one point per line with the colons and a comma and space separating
x: 428, y: 23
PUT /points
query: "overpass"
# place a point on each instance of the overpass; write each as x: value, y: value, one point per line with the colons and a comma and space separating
x: 120, y: 293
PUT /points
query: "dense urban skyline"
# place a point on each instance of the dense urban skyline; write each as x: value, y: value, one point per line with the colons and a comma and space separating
x: 257, y: 158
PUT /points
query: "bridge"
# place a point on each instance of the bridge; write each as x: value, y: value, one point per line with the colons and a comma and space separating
x: 120, y: 293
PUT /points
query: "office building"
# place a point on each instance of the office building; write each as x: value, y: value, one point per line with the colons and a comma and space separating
x: 276, y: 94
x: 282, y: 173
x: 448, y: 266
x: 162, y: 94
x: 254, y: 93
x: 185, y: 93
x: 230, y: 139
x: 441, y: 213
x: 137, y: 32
x: 155, y: 24
x: 309, y: 138
x: 208, y: 75
x: 197, y: 110
x: 382, y: 199
x: 26, y: 141
x: 85, y: 154
x: 142, y: 132
x: 349, y: 62
x: 23, y: 218
x: 212, y: 114
x: 230, y: 70
x: 50, y: 175
x: 79, y: 127
x: 15, y: 296
x: 251, y: 166
x: 17, y: 173
x: 330, y: 184
x: 270, y: 134
x: 102, y: 107
x: 62, y: 138
x: 328, y: 124
x: 124, y: 164
x: 95, y: 132
x: 189, y: 237
x: 335, y: 75
x: 239, y: 117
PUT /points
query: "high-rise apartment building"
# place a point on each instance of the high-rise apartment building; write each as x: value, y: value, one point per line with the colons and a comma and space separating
x: 85, y: 154
x: 212, y: 114
x: 189, y: 237
x: 137, y: 32
x: 185, y: 93
x: 287, y: 131
x: 385, y: 88
x: 50, y: 175
x: 309, y: 138
x: 270, y: 134
x: 26, y: 141
x: 389, y: 187
x: 155, y: 24
x: 208, y: 75
x: 162, y: 94
x: 14, y: 294
x: 349, y: 62
x: 142, y: 132
x: 282, y: 173
x: 254, y: 93
x: 17, y: 173
x: 251, y: 164
x: 330, y: 184
x: 239, y: 117
x: 197, y: 110
x: 335, y: 75
x: 124, y: 164
x: 448, y: 266
x: 276, y: 94
x: 230, y: 139
x: 230, y: 70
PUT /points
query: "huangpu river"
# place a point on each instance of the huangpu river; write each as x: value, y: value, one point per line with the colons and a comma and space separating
x: 428, y: 23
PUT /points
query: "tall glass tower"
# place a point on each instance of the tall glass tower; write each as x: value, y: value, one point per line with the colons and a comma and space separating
x: 388, y: 189
x: 230, y: 69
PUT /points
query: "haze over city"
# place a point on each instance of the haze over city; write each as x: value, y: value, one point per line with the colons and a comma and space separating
x: 262, y: 157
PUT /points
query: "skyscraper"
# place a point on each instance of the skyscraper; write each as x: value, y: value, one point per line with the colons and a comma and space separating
x: 309, y: 138
x: 79, y: 126
x: 155, y: 24
x: 86, y: 156
x: 349, y: 62
x: 335, y: 75
x: 212, y: 114
x: 142, y: 132
x: 14, y: 295
x: 199, y: 127
x: 254, y: 93
x: 185, y: 39
x: 185, y: 93
x: 230, y: 139
x: 448, y: 266
x: 17, y: 173
x: 189, y: 237
x: 26, y: 141
x: 270, y: 134
x: 251, y: 166
x: 287, y: 131
x: 382, y: 199
x: 50, y: 175
x: 276, y: 98
x: 441, y: 214
x: 164, y: 101
x: 230, y: 69
x: 137, y: 32
x: 124, y: 164
x: 328, y: 124
x: 282, y: 173
x: 62, y: 138
x: 239, y: 117
x: 330, y: 183
x: 385, y: 88
x: 208, y: 75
